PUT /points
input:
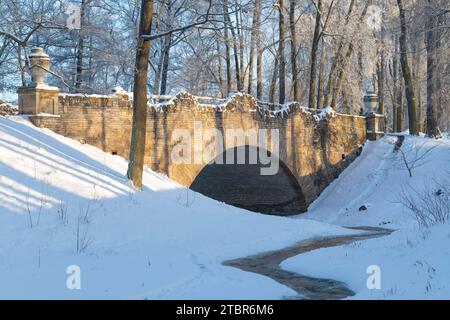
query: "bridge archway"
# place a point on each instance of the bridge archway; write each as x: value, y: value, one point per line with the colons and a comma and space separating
x: 242, y: 185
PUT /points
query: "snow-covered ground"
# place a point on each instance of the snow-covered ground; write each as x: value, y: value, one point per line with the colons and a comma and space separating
x: 414, y: 262
x: 168, y: 243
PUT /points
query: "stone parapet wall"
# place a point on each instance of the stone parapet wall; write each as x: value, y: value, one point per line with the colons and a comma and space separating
x: 314, y: 149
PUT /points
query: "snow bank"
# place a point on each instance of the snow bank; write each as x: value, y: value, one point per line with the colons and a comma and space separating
x: 376, y: 178
x: 165, y: 242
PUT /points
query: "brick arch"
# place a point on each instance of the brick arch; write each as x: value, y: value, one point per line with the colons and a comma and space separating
x: 242, y: 185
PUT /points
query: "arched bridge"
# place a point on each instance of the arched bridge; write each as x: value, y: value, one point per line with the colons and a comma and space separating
x: 188, y: 140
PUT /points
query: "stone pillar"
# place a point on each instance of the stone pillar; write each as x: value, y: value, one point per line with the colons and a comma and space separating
x: 375, y: 123
x: 38, y: 97
x: 375, y: 126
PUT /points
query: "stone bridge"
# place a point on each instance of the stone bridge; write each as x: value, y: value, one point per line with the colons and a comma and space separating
x: 313, y: 148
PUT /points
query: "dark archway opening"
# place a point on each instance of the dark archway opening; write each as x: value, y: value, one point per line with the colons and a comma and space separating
x: 242, y: 185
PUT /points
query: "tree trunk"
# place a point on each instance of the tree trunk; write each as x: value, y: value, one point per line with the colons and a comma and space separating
x: 22, y: 66
x: 381, y: 84
x: 165, y: 68
x: 400, y: 100
x: 432, y: 45
x: 157, y: 83
x: 397, y: 98
x: 235, y: 46
x: 240, y: 35
x: 139, y: 126
x: 259, y: 58
x: 227, y: 47
x: 80, y: 48
x: 323, y: 58
x: 314, y: 56
x: 90, y: 65
x: 282, y: 58
x: 295, y: 80
x: 409, y: 86
x: 273, y: 83
x: 415, y: 66
x: 394, y: 76
x: 252, y: 50
x: 219, y: 69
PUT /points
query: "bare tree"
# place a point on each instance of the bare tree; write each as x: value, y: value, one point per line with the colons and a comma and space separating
x: 227, y: 47
x: 406, y: 71
x: 428, y: 205
x: 80, y: 45
x: 346, y: 59
x: 137, y: 146
x: 314, y: 56
x: 432, y: 45
x: 281, y: 53
x: 259, y: 54
x: 253, y: 41
x: 292, y: 24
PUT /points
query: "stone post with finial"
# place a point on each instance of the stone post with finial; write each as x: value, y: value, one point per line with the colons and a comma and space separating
x: 38, y: 97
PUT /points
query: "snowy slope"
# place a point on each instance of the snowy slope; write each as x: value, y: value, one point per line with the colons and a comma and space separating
x: 166, y: 242
x: 375, y: 180
x: 414, y: 262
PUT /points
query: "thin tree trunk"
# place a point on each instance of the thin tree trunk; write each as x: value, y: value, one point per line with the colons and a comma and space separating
x: 235, y: 46
x: 259, y: 58
x: 323, y: 58
x: 381, y: 84
x: 252, y: 51
x: 397, y: 89
x: 80, y: 48
x: 282, y: 58
x: 432, y: 45
x: 314, y: 56
x: 227, y: 46
x: 400, y: 100
x: 409, y: 86
x: 394, y: 77
x: 165, y: 68
x: 240, y: 34
x: 381, y: 75
x: 166, y: 52
x: 90, y: 64
x: 21, y: 66
x: 295, y: 79
x: 219, y: 69
x: 273, y: 83
x: 139, y: 126
x: 236, y: 62
x: 157, y: 83
x: 416, y: 62
x: 393, y: 74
